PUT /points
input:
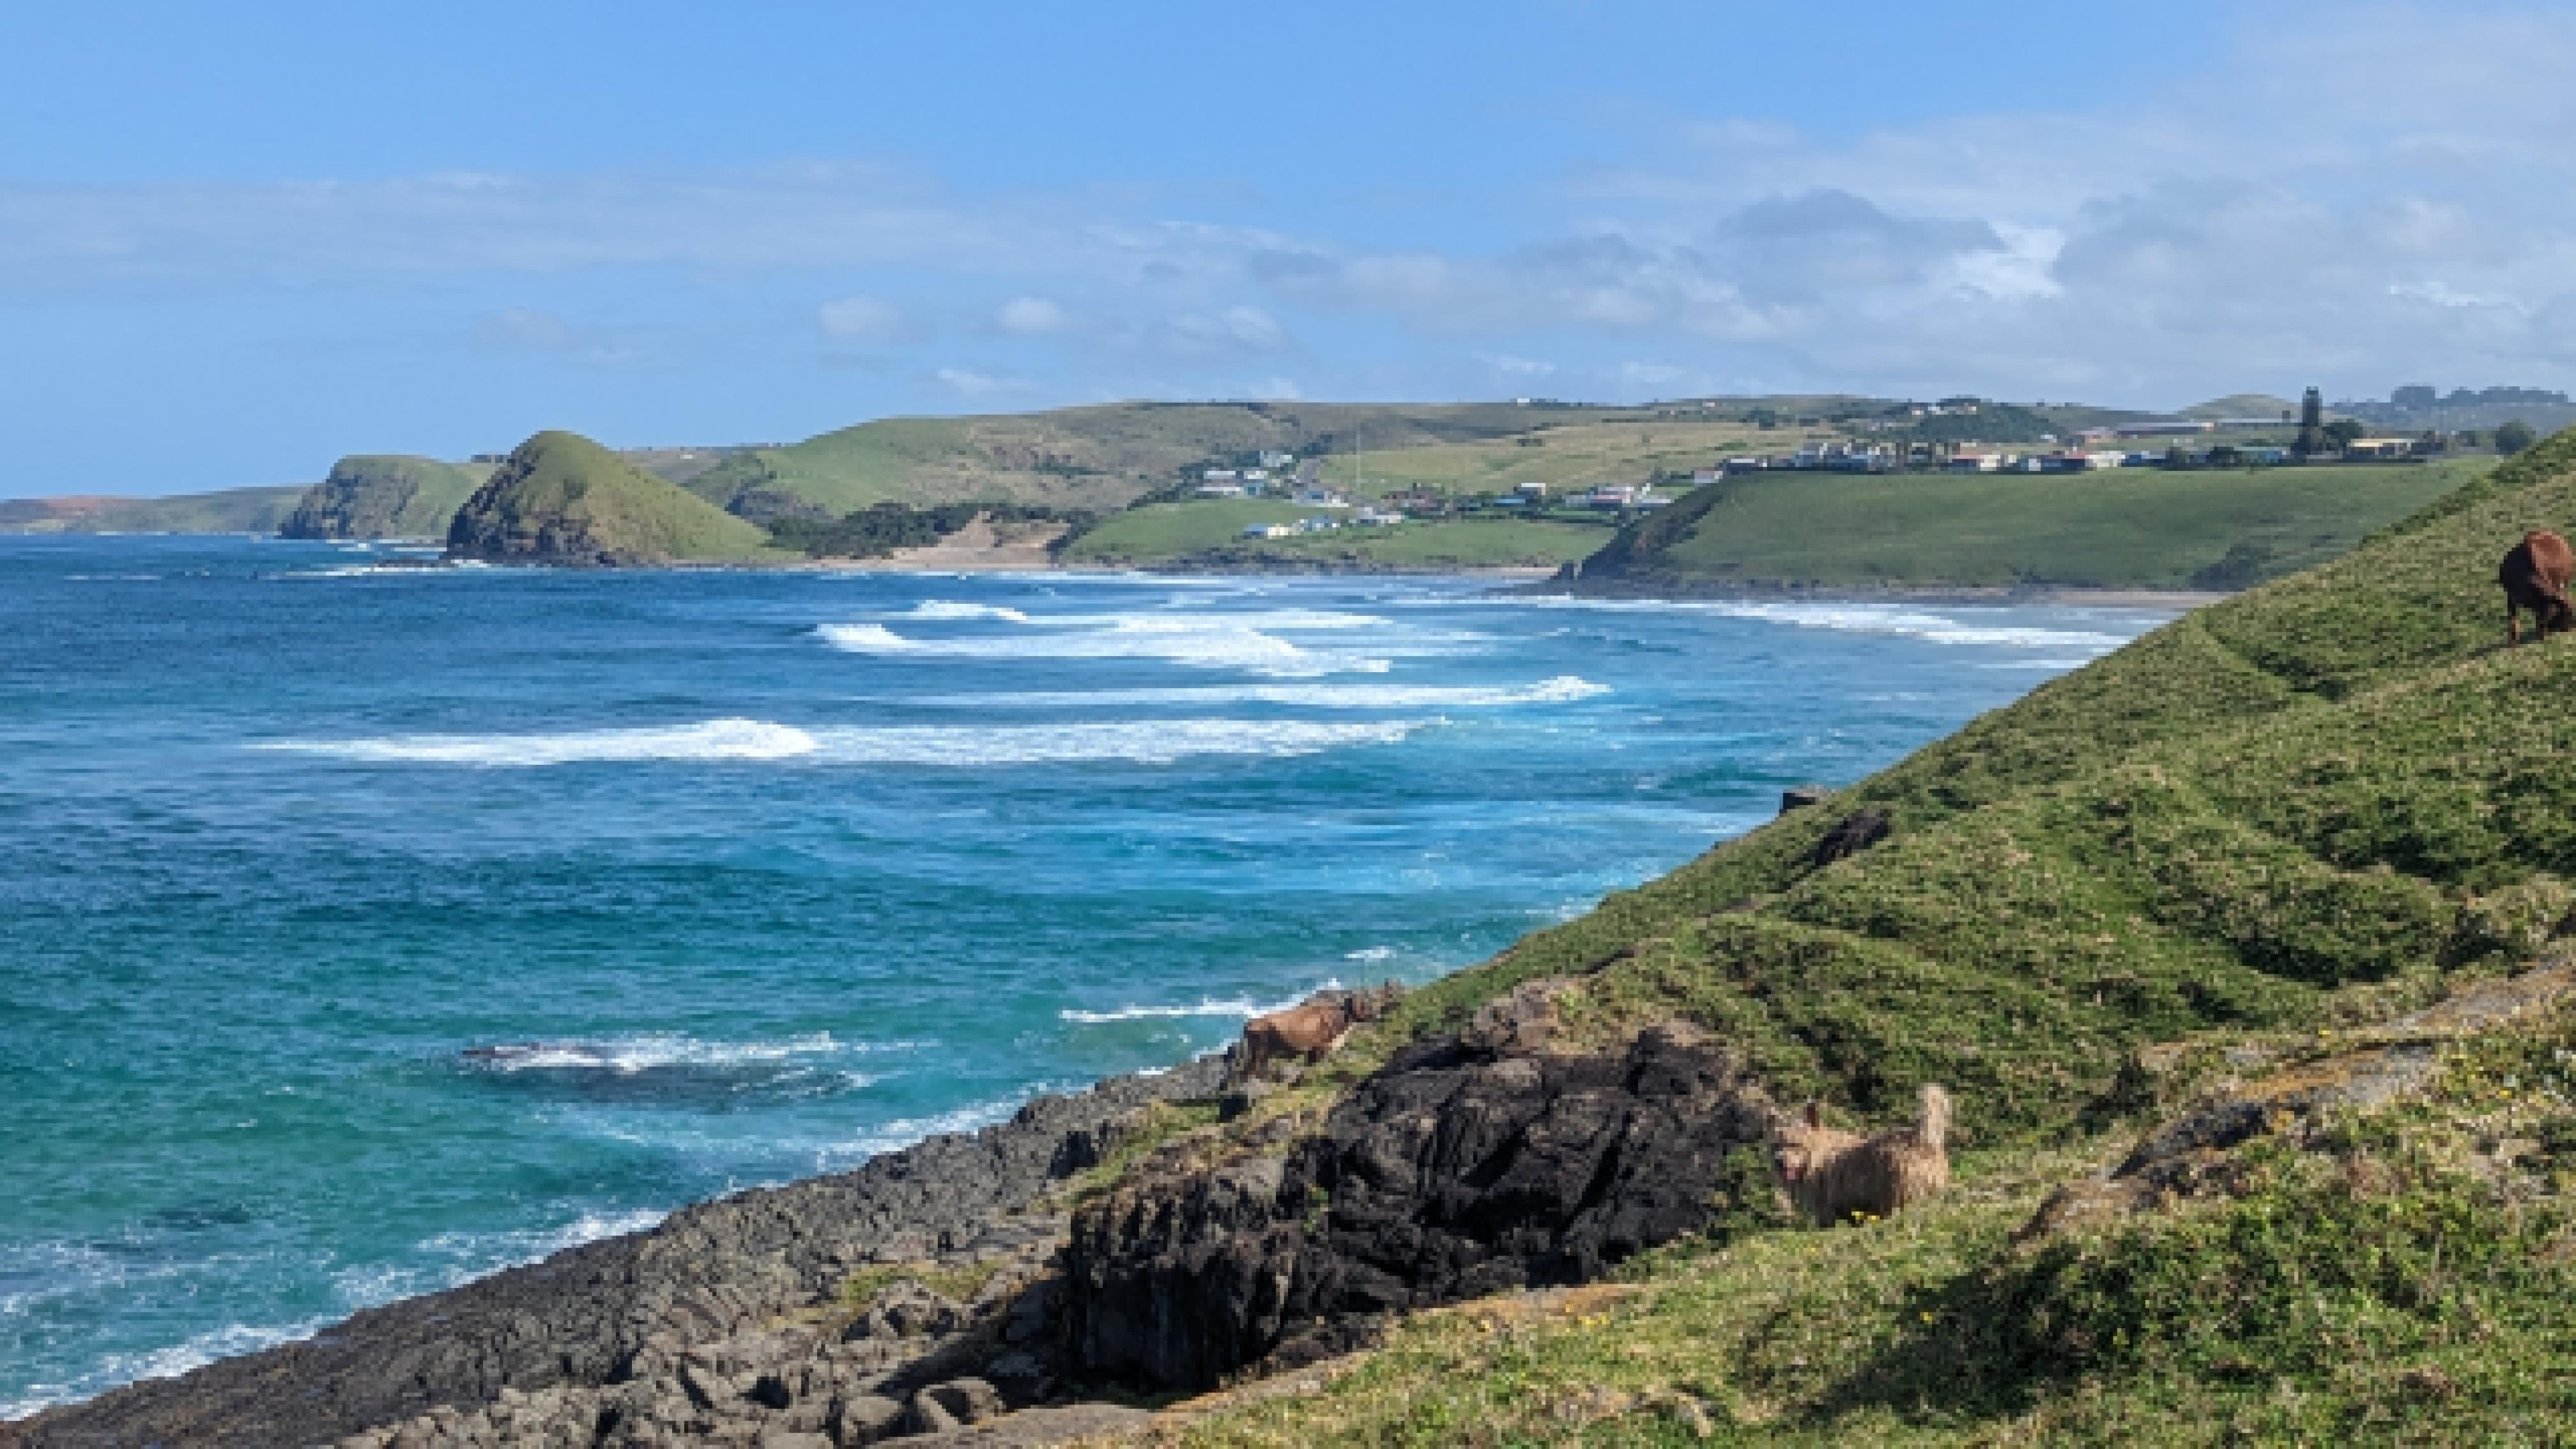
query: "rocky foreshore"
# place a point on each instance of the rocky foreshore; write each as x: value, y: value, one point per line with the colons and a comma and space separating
x: 723, y: 1325
x: 994, y: 1288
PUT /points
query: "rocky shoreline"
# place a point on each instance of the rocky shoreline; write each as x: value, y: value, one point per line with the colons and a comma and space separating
x: 1032, y: 1282
x: 640, y: 1339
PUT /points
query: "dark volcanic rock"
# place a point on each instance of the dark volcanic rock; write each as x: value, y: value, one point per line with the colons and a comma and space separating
x: 1449, y: 1174
x: 607, y: 1312
x: 1799, y: 797
x: 1856, y: 832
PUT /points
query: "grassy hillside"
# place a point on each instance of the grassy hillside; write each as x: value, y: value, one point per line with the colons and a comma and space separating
x: 2124, y: 528
x: 2242, y: 405
x: 562, y: 498
x: 2242, y: 845
x: 1097, y: 458
x: 1568, y: 456
x: 231, y: 510
x: 385, y: 496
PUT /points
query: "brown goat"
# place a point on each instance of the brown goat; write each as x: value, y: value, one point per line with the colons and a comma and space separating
x: 2534, y: 575
x: 1834, y: 1176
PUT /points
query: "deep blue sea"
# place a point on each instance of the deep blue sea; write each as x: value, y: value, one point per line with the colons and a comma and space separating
x: 767, y: 872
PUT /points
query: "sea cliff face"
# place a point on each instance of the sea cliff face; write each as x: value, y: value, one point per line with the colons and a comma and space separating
x: 384, y: 497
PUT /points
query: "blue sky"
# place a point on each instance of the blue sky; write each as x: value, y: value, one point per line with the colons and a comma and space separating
x: 238, y: 241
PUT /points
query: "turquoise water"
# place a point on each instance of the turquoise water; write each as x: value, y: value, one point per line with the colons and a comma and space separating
x: 759, y: 874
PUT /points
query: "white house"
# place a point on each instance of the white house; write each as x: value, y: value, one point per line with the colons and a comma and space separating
x: 1973, y: 461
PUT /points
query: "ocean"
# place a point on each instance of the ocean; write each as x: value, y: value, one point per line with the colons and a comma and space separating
x: 364, y: 929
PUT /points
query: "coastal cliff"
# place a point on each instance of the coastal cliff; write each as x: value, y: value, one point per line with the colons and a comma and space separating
x: 384, y: 496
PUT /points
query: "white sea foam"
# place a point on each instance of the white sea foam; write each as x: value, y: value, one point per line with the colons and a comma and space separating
x: 1249, y: 640
x: 1973, y: 626
x: 114, y: 1369
x: 1150, y: 742
x: 458, y: 1258
x: 1563, y: 689
x: 383, y: 571
x: 629, y: 1055
x: 1370, y: 953
x: 719, y: 739
x: 1238, y: 1008
x: 946, y: 609
x: 904, y: 1132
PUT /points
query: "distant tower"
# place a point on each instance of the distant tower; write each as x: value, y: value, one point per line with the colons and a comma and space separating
x: 2312, y: 426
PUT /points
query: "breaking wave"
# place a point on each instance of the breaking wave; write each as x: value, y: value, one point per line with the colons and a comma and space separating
x: 1563, y: 689
x: 1150, y: 742
x: 1974, y: 626
x: 1238, y: 1008
x: 627, y: 1056
x: 1248, y: 640
x: 946, y: 609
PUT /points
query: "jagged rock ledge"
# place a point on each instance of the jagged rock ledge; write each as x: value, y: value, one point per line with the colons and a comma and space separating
x: 590, y: 1344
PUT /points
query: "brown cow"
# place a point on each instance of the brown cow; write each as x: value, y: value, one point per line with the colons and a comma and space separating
x: 2534, y: 575
x: 1310, y: 1031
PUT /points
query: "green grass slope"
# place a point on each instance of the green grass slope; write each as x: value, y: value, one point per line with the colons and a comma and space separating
x: 564, y: 499
x: 385, y: 496
x: 1096, y: 458
x: 230, y: 510
x: 2123, y: 528
x: 2276, y: 821
x: 1208, y: 533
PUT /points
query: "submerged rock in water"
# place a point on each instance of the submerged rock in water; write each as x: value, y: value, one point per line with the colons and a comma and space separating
x: 1450, y: 1174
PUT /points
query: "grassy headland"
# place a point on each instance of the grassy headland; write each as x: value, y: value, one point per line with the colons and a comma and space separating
x: 385, y: 496
x: 2237, y: 848
x: 230, y: 510
x: 562, y: 498
x: 1093, y: 458
x: 2125, y: 528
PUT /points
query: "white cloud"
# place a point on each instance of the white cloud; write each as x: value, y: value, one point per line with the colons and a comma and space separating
x: 970, y: 383
x: 1235, y: 330
x: 1032, y: 317
x: 2353, y: 197
x: 530, y: 329
x: 863, y: 318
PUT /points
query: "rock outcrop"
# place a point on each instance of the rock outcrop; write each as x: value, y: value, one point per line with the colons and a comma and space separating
x: 1449, y: 1174
x: 2192, y: 1152
x: 659, y: 1330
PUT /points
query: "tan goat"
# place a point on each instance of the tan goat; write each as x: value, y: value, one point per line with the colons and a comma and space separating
x: 1833, y: 1176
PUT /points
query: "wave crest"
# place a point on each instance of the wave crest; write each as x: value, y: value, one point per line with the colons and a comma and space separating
x: 1146, y: 742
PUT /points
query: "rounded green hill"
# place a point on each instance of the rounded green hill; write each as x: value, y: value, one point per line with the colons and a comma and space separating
x: 563, y: 499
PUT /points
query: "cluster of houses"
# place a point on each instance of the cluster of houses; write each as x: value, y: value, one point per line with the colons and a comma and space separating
x: 1365, y: 516
x: 2085, y: 455
x: 1281, y: 477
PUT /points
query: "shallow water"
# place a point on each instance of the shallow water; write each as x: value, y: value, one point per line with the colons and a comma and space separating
x: 748, y: 876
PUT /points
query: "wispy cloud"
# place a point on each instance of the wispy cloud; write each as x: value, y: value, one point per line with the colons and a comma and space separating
x: 534, y: 330
x: 863, y: 318
x: 2344, y: 202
